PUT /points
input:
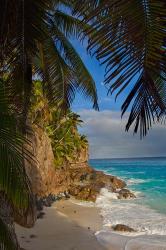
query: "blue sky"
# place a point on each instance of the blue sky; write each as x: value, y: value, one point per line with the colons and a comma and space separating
x: 97, y: 71
x: 105, y: 129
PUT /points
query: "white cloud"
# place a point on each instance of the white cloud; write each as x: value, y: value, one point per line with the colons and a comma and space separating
x: 107, y: 136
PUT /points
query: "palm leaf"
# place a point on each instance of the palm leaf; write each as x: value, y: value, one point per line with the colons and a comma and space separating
x: 82, y: 78
x: 13, y: 179
x: 65, y: 72
x: 23, y: 23
x: 129, y: 38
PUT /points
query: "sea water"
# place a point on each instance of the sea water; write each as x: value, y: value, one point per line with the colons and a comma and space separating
x: 146, y: 177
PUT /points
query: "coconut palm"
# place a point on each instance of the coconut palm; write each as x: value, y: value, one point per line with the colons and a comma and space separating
x: 34, y: 43
x: 66, y: 141
x: 15, y: 192
x: 126, y: 36
x: 38, y: 35
x: 129, y: 38
x: 34, y: 38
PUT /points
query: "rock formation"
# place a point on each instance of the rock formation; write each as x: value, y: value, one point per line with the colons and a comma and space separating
x: 123, y: 228
x: 125, y: 194
x: 77, y: 177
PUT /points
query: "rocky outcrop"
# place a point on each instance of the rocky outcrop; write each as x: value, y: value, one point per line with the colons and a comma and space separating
x: 87, y: 183
x: 125, y: 194
x: 41, y: 172
x: 76, y: 177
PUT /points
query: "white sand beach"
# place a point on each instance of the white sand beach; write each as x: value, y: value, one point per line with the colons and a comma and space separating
x: 65, y: 226
x: 69, y: 226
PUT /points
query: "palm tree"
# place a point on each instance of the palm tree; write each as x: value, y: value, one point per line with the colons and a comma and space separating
x: 15, y: 191
x: 129, y: 38
x: 64, y: 136
x: 38, y: 34
x: 34, y: 44
x: 39, y: 112
x: 126, y: 36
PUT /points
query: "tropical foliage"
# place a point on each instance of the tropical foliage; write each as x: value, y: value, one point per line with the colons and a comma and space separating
x: 61, y: 127
x: 14, y: 183
x: 33, y: 45
x: 129, y: 38
x: 67, y: 143
x: 38, y: 34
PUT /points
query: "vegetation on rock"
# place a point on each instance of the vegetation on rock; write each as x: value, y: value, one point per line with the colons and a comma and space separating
x: 60, y: 126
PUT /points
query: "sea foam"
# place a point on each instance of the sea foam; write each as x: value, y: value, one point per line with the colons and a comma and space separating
x: 141, y: 218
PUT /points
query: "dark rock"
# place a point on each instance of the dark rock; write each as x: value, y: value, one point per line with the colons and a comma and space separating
x: 32, y: 236
x: 39, y: 204
x: 123, y: 228
x: 47, y: 201
x: 87, y: 192
x: 67, y: 196
x: 40, y: 215
x: 125, y: 194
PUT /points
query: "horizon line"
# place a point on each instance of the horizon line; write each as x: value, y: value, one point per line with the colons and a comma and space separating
x: 117, y: 158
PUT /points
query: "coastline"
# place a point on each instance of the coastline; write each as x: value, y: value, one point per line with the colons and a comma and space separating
x: 70, y: 226
x: 64, y: 226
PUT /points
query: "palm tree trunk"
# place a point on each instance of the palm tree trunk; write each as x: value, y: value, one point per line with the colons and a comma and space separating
x: 7, y: 218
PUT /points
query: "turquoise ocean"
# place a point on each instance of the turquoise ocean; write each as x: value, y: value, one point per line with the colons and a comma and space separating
x: 146, y: 177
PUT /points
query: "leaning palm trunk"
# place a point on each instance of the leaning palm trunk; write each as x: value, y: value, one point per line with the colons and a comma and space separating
x: 7, y: 221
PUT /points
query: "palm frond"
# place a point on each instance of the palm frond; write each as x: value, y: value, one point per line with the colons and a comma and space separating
x: 146, y: 108
x: 65, y: 72
x: 13, y: 179
x: 83, y: 79
x: 67, y: 24
x: 24, y: 23
x: 129, y: 37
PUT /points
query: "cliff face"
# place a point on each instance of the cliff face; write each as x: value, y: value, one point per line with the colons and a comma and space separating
x: 44, y: 176
x: 77, y: 177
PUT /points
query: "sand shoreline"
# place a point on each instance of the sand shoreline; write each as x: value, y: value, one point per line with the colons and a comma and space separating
x: 65, y: 226
x: 70, y: 226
